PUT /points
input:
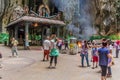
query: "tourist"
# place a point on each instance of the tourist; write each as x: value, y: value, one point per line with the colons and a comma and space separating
x: 46, y: 47
x: 94, y: 56
x: 59, y: 44
x: 66, y: 45
x: 110, y: 63
x: 14, y: 47
x: 104, y: 54
x: 54, y: 53
x: 110, y: 60
x: 117, y: 46
x: 84, y: 53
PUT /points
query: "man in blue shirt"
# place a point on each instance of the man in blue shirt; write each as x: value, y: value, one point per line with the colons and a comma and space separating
x: 103, y: 59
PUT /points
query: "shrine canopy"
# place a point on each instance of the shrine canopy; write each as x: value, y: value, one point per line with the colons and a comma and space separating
x: 37, y: 20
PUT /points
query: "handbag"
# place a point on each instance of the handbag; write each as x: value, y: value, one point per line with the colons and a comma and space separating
x: 113, y: 63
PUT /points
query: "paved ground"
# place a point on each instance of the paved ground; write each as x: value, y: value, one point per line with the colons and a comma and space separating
x: 28, y: 66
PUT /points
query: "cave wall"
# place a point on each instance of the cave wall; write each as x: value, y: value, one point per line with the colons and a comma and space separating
x: 10, y: 6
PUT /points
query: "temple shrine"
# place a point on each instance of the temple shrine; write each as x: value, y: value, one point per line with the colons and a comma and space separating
x: 30, y: 25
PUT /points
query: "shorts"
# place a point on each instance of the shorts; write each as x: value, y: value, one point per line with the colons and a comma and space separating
x: 104, y: 70
x: 95, y: 58
x: 46, y: 52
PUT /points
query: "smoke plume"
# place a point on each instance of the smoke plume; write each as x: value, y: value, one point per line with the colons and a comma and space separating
x: 78, y: 13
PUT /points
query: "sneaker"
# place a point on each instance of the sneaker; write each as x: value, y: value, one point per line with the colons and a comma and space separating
x: 96, y: 67
x: 49, y: 67
x: 54, y: 67
x: 43, y: 59
x: 47, y: 60
x: 82, y: 66
x: 93, y: 68
x: 99, y: 71
x: 12, y: 56
x: 109, y: 76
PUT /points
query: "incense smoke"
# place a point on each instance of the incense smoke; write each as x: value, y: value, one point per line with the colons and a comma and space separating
x: 78, y: 13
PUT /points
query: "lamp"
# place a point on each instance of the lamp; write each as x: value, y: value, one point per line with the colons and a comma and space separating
x: 35, y: 24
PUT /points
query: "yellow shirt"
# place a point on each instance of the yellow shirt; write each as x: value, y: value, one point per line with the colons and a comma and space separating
x: 15, y: 43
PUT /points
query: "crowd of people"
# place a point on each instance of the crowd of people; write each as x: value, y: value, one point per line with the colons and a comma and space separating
x: 101, y: 55
x: 51, y: 49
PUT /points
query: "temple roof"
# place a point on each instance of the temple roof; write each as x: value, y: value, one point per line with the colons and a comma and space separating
x: 36, y: 19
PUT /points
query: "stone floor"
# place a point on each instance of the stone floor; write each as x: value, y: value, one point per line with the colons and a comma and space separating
x: 29, y: 66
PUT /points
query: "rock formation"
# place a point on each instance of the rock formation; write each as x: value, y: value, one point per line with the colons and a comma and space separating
x: 105, y: 17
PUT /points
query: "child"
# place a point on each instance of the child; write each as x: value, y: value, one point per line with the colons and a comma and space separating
x: 109, y: 74
x: 94, y: 56
x: 110, y: 61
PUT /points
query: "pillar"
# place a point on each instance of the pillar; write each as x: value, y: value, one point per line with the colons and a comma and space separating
x: 16, y: 32
x: 26, y: 35
x: 42, y: 35
x: 58, y: 31
x: 47, y: 31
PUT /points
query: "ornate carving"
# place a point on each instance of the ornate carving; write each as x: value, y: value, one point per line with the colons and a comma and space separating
x: 44, y: 10
x: 18, y: 12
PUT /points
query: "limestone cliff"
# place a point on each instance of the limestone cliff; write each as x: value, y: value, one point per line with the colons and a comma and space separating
x: 10, y: 6
x: 103, y: 12
x: 105, y: 17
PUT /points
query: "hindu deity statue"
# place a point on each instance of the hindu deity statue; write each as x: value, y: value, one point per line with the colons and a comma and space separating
x: 44, y: 9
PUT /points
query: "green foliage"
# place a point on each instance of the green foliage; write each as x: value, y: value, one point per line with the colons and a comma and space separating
x: 115, y: 37
x: 37, y: 37
x: 4, y: 37
x: 34, y: 37
x: 112, y: 37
